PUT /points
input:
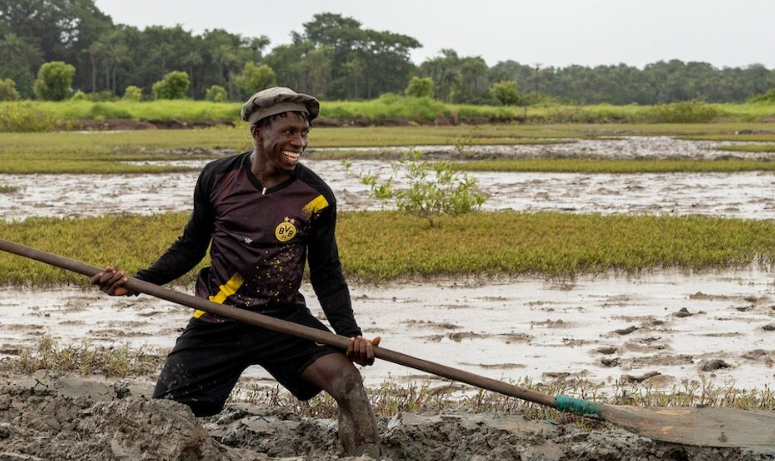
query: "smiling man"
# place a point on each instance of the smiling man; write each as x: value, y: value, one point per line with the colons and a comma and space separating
x: 264, y: 215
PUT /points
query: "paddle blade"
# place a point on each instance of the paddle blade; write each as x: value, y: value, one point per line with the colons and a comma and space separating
x: 703, y: 427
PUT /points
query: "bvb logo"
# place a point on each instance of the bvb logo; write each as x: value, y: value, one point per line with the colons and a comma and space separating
x: 285, y: 230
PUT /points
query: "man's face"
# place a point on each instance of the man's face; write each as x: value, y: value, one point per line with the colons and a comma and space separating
x: 283, y: 140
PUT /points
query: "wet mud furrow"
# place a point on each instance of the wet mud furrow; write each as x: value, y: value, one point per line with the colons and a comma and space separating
x: 659, y: 329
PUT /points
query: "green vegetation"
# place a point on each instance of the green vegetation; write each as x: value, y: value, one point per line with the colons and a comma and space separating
x: 505, y: 92
x: 54, y: 81
x: 378, y: 246
x: 750, y: 148
x: 25, y: 118
x: 682, y: 112
x: 420, y: 87
x: 216, y: 93
x: 394, y: 109
x: 100, y: 152
x: 765, y: 97
x: 85, y: 359
x: 174, y: 85
x: 133, y: 93
x: 254, y: 78
x: 434, y: 189
x: 8, y: 189
x: 617, y: 166
x: 8, y: 90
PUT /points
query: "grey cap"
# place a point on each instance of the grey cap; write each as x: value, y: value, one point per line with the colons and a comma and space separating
x: 276, y: 100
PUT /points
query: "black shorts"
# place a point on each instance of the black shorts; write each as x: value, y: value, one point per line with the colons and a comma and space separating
x: 209, y: 357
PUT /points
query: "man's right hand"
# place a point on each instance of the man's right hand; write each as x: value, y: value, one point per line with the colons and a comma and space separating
x: 111, y: 281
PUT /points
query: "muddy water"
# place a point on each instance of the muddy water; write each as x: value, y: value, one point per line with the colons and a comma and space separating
x: 601, y: 328
x: 628, y: 147
x: 739, y: 195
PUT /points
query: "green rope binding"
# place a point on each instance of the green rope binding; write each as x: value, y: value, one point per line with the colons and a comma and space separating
x: 580, y: 406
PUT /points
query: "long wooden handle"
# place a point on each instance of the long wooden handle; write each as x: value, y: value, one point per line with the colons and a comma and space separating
x: 282, y: 326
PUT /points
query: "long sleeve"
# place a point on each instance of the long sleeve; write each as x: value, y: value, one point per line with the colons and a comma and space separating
x: 326, y: 274
x: 191, y: 246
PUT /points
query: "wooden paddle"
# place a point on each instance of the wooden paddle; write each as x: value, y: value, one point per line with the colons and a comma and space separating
x: 703, y: 426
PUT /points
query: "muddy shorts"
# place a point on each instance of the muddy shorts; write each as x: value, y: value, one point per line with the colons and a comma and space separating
x: 209, y: 357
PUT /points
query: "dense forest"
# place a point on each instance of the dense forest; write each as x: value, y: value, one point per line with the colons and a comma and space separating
x: 333, y: 57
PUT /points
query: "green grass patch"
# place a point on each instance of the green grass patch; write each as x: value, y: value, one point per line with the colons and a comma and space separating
x: 615, y: 166
x: 99, y: 152
x: 760, y: 137
x: 391, y: 107
x: 755, y: 148
x: 378, y: 246
x: 77, y: 166
x: 8, y: 189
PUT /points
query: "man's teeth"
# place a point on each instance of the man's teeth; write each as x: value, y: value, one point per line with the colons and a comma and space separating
x: 291, y: 155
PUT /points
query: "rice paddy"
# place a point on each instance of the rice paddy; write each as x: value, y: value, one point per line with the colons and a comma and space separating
x: 378, y: 246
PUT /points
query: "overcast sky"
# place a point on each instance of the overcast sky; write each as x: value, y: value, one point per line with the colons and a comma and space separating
x: 549, y: 32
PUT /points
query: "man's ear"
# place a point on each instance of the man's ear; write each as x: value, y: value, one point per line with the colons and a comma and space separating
x: 255, y: 131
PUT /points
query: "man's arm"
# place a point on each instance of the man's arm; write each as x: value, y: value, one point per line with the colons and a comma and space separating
x: 180, y: 257
x: 191, y: 246
x: 326, y: 274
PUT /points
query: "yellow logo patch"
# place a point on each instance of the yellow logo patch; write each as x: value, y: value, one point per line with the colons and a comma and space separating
x: 286, y: 230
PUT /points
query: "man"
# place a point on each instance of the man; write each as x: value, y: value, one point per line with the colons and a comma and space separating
x: 263, y: 214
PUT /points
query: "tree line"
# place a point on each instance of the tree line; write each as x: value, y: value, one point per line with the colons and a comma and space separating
x: 332, y: 57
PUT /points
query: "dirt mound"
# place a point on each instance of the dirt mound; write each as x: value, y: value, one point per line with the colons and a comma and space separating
x: 69, y: 418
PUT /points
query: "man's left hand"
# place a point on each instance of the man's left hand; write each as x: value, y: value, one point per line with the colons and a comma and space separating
x: 361, y: 351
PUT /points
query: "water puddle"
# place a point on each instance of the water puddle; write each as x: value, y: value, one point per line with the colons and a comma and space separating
x: 738, y: 195
x: 606, y: 328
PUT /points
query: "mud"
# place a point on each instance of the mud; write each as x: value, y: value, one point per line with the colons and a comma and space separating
x: 511, y: 329
x: 62, y: 417
x: 673, y: 194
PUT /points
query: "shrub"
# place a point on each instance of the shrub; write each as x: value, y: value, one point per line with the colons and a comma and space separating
x: 54, y: 80
x: 100, y: 111
x: 102, y: 96
x: 8, y: 90
x: 434, y: 188
x: 420, y: 87
x: 254, y: 78
x: 174, y: 85
x: 133, y: 93
x: 21, y: 117
x: 505, y: 92
x: 216, y: 93
x: 682, y: 112
x: 765, y: 97
x: 79, y: 96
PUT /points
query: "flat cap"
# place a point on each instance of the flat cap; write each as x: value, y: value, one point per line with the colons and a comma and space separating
x: 276, y: 100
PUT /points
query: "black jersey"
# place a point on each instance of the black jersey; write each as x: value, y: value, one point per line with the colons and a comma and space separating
x: 261, y: 238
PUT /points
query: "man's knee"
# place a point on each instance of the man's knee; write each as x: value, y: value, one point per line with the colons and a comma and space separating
x: 346, y: 384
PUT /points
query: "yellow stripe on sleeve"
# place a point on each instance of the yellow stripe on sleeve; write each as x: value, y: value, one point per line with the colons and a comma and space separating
x: 225, y: 290
x: 315, y: 206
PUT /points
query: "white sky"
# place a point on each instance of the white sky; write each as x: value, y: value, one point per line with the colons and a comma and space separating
x: 549, y: 32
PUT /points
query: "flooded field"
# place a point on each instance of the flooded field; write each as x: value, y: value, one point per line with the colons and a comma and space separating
x: 662, y: 328
x: 738, y: 195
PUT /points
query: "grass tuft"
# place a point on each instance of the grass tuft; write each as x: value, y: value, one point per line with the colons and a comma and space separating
x: 616, y: 166
x: 85, y: 359
x: 379, y: 246
x: 391, y: 398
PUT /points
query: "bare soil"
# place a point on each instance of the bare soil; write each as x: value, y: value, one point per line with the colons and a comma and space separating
x: 63, y: 417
